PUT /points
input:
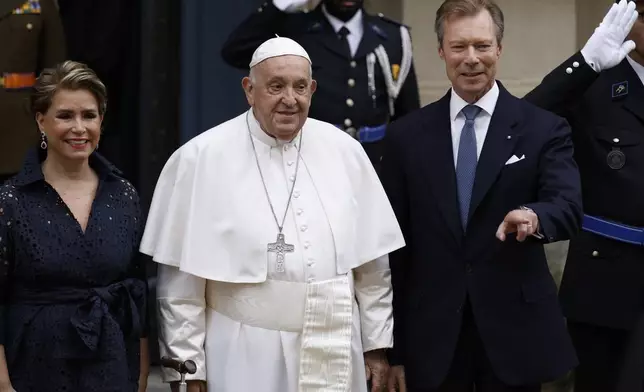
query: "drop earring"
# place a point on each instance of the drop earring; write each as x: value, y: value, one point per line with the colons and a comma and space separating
x: 43, y: 140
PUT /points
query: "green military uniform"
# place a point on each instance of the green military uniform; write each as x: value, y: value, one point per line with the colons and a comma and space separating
x: 31, y: 39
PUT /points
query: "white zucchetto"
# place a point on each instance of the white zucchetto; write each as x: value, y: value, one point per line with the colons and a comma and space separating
x: 275, y: 47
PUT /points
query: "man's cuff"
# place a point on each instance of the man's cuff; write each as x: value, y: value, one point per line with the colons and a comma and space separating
x: 592, y: 64
x: 538, y: 234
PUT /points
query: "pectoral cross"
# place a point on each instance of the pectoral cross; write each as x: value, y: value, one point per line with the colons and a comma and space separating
x: 280, y: 247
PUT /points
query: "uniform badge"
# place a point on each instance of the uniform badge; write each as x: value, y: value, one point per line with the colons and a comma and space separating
x: 29, y: 7
x: 616, y: 159
x: 395, y: 71
x: 379, y: 31
x: 619, y: 89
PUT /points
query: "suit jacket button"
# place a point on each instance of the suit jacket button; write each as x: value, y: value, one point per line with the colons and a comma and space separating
x: 595, y: 253
x: 468, y: 268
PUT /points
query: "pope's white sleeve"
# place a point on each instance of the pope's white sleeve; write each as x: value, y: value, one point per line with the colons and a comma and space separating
x: 182, y: 319
x: 374, y: 296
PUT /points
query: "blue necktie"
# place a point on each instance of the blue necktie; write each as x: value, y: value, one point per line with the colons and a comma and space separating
x: 466, y: 162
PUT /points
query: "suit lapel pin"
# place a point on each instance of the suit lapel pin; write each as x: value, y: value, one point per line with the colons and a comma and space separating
x: 619, y: 89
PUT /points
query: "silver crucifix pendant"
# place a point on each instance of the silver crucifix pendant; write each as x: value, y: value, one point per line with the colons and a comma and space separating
x: 280, y: 247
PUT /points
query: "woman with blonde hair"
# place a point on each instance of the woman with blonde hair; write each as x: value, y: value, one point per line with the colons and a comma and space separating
x: 72, y: 287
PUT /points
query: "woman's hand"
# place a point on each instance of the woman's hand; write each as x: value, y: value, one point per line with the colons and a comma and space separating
x: 144, y: 365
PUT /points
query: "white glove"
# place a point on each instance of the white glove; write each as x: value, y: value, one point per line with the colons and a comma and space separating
x: 606, y: 47
x: 294, y: 6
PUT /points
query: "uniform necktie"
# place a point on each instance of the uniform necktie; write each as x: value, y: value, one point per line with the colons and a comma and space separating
x: 344, y: 42
x: 466, y: 162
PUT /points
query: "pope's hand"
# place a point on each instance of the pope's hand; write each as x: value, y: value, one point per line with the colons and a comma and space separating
x: 606, y: 47
x: 397, y: 379
x: 292, y: 6
x: 523, y: 222
x: 377, y: 369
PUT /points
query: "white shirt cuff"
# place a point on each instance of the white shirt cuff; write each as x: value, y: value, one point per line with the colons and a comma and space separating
x: 591, y: 63
x: 282, y: 5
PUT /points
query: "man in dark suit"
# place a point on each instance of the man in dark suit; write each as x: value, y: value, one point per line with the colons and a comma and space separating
x: 362, y: 63
x: 599, y: 90
x: 474, y: 302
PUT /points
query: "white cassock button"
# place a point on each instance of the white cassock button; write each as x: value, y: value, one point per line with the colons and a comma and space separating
x: 29, y: 26
x: 616, y: 140
x: 353, y: 64
x: 290, y: 163
x: 304, y: 228
x: 292, y: 178
x: 351, y: 82
x: 307, y: 245
x: 350, y: 102
x: 595, y: 253
x: 568, y: 70
x: 348, y: 122
x: 300, y: 211
x: 286, y: 147
x: 296, y: 194
x: 311, y: 280
x: 311, y: 263
x: 575, y: 64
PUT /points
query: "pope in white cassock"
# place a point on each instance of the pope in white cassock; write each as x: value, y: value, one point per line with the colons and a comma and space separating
x: 272, y: 232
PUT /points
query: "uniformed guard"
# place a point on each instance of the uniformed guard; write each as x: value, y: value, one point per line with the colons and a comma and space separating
x: 363, y: 63
x: 31, y: 38
x: 600, y: 92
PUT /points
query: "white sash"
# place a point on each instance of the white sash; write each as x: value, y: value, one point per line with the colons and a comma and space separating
x: 325, y: 321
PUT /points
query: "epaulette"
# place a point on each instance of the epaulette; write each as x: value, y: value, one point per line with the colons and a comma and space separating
x: 389, y: 20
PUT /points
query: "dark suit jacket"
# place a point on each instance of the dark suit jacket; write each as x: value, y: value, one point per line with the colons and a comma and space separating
x: 332, y: 68
x: 512, y: 294
x: 31, y: 41
x: 603, y: 283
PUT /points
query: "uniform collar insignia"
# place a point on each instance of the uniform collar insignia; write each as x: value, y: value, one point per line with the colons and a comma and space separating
x: 619, y: 89
x: 378, y: 31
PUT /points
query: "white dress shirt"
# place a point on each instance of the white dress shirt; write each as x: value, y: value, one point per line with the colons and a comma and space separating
x: 639, y: 68
x: 354, y: 25
x: 481, y: 123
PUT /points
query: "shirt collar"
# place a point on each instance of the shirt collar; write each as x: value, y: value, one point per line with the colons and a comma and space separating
x: 31, y: 171
x: 637, y: 67
x: 354, y: 25
x: 487, y: 102
x: 257, y: 131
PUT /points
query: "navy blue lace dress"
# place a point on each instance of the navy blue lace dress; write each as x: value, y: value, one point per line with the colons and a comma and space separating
x: 72, y: 303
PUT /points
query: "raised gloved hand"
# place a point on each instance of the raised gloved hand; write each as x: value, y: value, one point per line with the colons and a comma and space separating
x: 606, y: 47
x: 293, y: 6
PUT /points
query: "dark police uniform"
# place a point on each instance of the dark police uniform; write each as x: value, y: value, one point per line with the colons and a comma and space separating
x: 32, y: 39
x: 346, y: 95
x: 602, y: 291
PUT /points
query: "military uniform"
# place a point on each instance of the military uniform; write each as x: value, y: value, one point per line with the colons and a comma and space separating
x: 32, y: 39
x: 602, y: 291
x: 361, y: 93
